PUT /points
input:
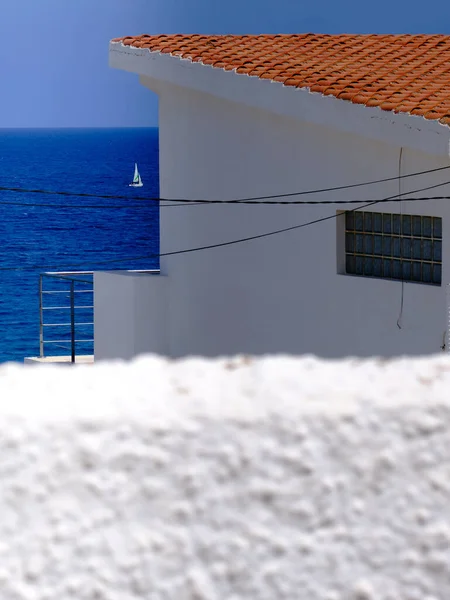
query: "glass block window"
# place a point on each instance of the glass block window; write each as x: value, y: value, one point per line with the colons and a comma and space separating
x: 393, y: 246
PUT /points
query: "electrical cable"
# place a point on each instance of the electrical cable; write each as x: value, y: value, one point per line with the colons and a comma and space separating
x: 198, y: 201
x: 212, y: 246
x: 402, y: 295
x: 293, y: 203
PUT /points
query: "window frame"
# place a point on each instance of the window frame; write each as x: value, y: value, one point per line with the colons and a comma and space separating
x: 407, y: 242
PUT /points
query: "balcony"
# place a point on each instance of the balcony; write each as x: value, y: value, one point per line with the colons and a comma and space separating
x: 122, y: 316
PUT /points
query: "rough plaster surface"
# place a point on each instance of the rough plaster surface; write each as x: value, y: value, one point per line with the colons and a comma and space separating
x: 271, y: 479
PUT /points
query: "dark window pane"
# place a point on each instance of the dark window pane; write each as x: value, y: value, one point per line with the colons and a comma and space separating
x: 437, y: 250
x: 406, y: 224
x: 377, y: 244
x: 368, y: 222
x: 416, y: 271
x: 377, y: 267
x: 396, y: 269
x: 377, y: 223
x: 349, y: 221
x: 359, y: 243
x: 426, y: 226
x: 368, y: 266
x: 396, y: 247
x: 426, y: 272
x: 437, y: 227
x: 387, y: 246
x: 417, y: 249
x: 406, y: 270
x: 426, y: 249
x: 437, y: 274
x: 387, y: 268
x: 396, y: 224
x: 387, y: 224
x: 368, y: 244
x: 359, y: 262
x: 406, y: 248
x: 349, y: 242
x: 358, y: 221
x: 350, y: 264
x: 417, y: 226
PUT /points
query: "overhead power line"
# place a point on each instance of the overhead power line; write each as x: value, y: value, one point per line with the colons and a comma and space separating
x: 207, y: 201
x: 295, y: 203
x: 212, y: 246
x: 70, y: 206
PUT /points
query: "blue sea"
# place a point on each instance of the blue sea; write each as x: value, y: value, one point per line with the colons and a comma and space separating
x: 68, y: 233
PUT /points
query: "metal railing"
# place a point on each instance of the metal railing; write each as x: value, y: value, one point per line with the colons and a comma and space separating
x: 70, y: 301
x: 65, y: 296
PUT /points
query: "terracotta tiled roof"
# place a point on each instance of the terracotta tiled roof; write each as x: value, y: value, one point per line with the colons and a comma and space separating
x: 401, y: 73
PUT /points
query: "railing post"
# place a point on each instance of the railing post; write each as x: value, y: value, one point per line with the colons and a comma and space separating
x: 41, y: 318
x: 72, y: 320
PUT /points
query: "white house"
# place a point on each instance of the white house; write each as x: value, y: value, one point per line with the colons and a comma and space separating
x: 250, y: 116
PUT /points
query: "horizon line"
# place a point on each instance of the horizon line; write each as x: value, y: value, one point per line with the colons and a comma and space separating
x: 53, y: 127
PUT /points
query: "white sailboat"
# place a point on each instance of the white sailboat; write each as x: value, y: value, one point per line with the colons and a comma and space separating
x: 137, y: 181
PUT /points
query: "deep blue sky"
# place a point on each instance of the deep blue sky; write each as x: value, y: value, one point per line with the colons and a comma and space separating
x: 54, y: 58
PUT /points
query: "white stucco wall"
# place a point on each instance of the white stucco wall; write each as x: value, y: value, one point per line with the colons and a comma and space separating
x: 240, y: 478
x: 282, y: 293
x: 130, y: 314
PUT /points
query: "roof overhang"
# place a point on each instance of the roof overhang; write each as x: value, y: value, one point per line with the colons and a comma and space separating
x: 404, y: 130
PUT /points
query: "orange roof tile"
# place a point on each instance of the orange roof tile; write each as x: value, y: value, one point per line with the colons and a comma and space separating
x: 400, y: 73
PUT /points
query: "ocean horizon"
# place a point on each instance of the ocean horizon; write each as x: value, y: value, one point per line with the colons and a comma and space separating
x: 70, y: 230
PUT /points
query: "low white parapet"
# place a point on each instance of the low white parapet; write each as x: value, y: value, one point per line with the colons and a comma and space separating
x: 267, y: 479
x: 130, y: 314
x: 84, y: 359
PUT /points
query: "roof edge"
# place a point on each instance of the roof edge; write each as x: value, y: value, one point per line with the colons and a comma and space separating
x: 399, y: 129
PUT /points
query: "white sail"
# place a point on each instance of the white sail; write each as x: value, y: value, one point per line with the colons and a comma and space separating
x: 137, y: 181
